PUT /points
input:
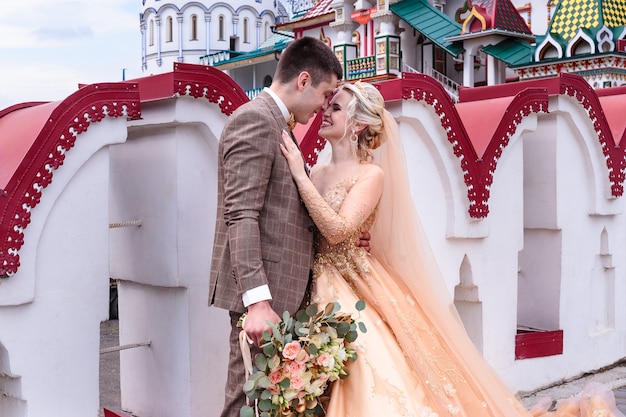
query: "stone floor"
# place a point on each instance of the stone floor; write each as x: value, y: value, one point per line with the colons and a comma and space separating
x: 614, y: 377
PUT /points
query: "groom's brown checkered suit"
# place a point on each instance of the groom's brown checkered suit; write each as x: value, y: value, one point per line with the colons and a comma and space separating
x: 263, y: 233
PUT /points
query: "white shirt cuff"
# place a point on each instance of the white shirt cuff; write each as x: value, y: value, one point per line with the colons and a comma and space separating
x: 254, y: 295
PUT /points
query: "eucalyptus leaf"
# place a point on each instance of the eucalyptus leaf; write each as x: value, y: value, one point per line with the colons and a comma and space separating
x: 360, y: 305
x: 264, y: 382
x: 246, y: 411
x: 302, y: 316
x: 249, y: 386
x: 265, y: 405
x: 269, y: 351
x: 342, y: 328
x: 261, y: 362
x: 285, y: 383
x: 362, y: 327
x: 350, y: 337
x: 311, y: 310
x: 329, y: 309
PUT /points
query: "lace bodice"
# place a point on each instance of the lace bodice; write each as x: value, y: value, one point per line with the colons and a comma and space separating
x: 343, y: 238
x: 335, y: 246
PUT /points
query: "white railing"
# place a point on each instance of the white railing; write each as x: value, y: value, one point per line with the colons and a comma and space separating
x: 451, y: 86
x: 407, y: 68
x: 214, y: 58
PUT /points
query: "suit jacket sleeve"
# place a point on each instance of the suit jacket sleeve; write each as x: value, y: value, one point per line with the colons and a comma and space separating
x: 248, y: 159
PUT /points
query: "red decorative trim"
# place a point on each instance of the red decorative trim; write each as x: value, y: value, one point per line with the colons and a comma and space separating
x: 312, y: 143
x: 576, y: 87
x: 209, y: 82
x: 69, y: 119
x: 477, y: 172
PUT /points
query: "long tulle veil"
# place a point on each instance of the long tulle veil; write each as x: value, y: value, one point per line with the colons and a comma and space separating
x: 399, y: 242
x: 398, y: 238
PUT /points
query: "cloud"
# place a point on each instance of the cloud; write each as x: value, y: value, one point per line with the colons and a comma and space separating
x: 48, y: 48
x: 62, y: 34
x: 37, y: 23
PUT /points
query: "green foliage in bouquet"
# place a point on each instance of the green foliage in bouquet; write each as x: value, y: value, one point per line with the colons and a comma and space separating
x: 300, y: 358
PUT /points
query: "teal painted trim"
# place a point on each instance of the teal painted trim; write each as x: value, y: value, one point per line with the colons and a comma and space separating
x: 430, y: 22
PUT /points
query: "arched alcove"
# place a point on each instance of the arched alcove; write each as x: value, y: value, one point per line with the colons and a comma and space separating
x: 601, y: 293
x: 605, y: 40
x: 468, y: 304
x: 547, y: 49
x: 581, y: 44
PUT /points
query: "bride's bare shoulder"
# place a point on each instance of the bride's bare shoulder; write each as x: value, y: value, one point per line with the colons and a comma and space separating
x: 371, y: 170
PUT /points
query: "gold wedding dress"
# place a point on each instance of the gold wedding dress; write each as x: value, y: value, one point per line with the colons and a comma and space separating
x: 415, y: 360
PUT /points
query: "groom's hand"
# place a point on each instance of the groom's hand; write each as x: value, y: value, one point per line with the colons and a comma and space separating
x: 256, y: 320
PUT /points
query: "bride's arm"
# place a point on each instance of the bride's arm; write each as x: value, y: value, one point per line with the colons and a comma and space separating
x: 357, y: 205
x: 355, y: 209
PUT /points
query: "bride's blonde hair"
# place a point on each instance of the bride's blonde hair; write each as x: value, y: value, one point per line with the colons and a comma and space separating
x: 367, y: 107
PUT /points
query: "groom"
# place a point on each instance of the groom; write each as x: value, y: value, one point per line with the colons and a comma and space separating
x: 263, y: 248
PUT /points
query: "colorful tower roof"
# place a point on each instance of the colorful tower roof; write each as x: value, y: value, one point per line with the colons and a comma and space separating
x: 590, y: 15
x: 495, y: 14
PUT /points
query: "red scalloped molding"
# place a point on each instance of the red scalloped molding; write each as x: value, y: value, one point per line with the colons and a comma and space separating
x: 69, y: 119
x: 202, y: 81
x: 578, y: 88
x: 477, y: 172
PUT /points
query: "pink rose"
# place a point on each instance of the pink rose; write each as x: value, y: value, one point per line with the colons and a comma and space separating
x: 323, y: 359
x: 296, y: 382
x: 291, y: 350
x: 276, y: 376
x: 294, y: 368
x: 303, y: 357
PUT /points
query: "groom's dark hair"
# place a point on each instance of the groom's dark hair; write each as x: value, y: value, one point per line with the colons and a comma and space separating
x: 311, y: 55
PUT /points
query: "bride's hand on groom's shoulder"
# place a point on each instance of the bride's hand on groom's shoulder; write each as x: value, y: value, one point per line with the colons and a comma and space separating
x: 292, y: 153
x: 256, y: 320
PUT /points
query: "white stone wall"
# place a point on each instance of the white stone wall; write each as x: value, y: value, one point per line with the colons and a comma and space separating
x: 165, y: 175
x: 52, y: 307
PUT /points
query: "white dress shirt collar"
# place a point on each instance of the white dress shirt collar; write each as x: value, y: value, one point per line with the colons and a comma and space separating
x: 279, y: 103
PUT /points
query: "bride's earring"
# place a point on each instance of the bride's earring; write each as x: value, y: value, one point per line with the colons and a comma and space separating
x: 354, y: 143
x: 354, y: 138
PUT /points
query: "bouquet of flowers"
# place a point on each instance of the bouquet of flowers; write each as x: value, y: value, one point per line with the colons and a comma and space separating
x: 300, y: 358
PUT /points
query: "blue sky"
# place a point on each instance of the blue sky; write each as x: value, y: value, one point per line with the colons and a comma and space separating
x: 48, y: 47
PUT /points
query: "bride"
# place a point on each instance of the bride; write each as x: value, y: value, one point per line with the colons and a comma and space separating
x: 415, y: 359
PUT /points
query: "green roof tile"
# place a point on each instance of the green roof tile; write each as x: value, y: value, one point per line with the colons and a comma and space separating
x: 430, y: 22
x: 511, y: 51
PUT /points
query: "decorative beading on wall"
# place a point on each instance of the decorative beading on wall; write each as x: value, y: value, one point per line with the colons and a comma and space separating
x: 69, y: 119
x: 581, y: 91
